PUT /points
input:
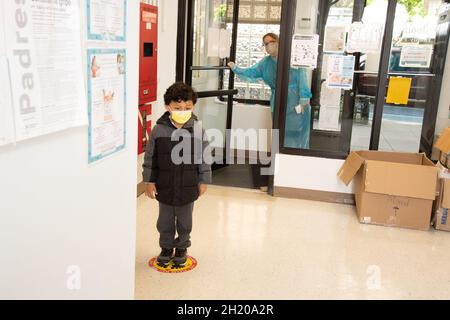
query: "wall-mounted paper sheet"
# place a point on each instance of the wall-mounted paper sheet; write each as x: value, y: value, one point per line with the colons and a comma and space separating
x: 365, y: 37
x: 398, y: 90
x: 219, y: 43
x: 330, y: 97
x: 305, y: 49
x: 107, y: 19
x: 335, y: 37
x: 340, y: 71
x: 6, y: 111
x: 44, y: 53
x: 416, y: 56
x: 106, y: 102
x: 329, y: 118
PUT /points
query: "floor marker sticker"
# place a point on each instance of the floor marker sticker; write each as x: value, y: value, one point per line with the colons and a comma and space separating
x: 191, y: 263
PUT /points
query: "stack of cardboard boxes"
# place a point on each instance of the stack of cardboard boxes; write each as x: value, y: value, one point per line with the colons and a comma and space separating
x: 441, y: 221
x: 400, y: 189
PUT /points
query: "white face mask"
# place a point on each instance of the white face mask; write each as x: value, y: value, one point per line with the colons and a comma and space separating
x: 272, y: 49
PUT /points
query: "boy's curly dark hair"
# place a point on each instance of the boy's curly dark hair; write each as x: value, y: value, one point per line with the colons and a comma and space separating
x: 178, y: 92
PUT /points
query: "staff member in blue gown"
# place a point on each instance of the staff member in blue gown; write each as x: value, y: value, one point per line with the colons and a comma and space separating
x: 298, y: 112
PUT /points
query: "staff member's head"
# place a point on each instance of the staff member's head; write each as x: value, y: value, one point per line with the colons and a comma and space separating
x: 270, y: 42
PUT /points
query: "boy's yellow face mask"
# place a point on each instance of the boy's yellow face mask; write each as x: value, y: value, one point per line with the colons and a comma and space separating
x: 181, y: 117
x: 181, y: 112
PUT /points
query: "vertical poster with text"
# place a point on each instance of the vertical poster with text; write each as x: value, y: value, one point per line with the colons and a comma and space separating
x: 43, y: 48
x: 340, y: 70
x: 365, y: 37
x: 107, y: 20
x: 6, y: 111
x: 305, y: 50
x: 106, y: 102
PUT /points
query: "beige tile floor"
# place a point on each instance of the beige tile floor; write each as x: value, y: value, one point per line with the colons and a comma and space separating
x: 253, y: 246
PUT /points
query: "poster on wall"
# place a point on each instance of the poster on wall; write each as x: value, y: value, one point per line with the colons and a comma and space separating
x: 305, y: 49
x: 416, y: 56
x: 330, y: 102
x: 6, y: 116
x: 106, y: 102
x: 43, y: 48
x: 107, y: 20
x: 219, y: 42
x: 340, y: 70
x: 365, y: 37
x: 398, y: 90
x: 329, y: 118
x: 335, y: 37
x: 330, y: 97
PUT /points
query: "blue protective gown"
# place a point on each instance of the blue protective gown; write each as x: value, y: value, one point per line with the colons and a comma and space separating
x: 297, y: 129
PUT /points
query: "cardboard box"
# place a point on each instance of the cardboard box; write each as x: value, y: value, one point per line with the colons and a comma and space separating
x: 443, y: 145
x: 391, y: 188
x: 441, y: 219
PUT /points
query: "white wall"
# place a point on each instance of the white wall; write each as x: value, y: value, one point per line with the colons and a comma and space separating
x: 309, y: 173
x: 56, y: 211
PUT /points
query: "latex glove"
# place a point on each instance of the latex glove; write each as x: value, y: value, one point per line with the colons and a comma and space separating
x: 231, y: 64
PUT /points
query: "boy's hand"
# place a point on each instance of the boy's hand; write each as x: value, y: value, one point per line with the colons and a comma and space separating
x: 202, y: 189
x: 150, y: 190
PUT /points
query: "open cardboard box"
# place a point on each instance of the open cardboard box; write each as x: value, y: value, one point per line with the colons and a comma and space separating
x: 392, y: 188
x: 443, y: 145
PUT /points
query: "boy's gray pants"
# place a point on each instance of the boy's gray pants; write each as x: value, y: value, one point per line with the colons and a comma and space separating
x: 175, y: 219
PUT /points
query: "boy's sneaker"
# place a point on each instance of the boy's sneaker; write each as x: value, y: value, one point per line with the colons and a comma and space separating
x: 180, y: 257
x: 165, y: 256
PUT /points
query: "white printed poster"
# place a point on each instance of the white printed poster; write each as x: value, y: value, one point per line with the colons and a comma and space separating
x: 329, y: 118
x: 107, y: 20
x: 6, y: 110
x: 305, y: 49
x: 219, y: 43
x: 335, y: 37
x: 416, y: 56
x: 330, y: 97
x: 44, y: 55
x: 340, y: 71
x: 365, y: 37
x: 106, y: 102
x: 330, y: 101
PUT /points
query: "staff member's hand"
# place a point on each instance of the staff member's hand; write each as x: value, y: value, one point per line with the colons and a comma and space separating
x: 150, y: 190
x: 202, y: 189
x: 231, y: 64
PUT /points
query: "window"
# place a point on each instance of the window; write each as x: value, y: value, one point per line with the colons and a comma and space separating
x: 249, y: 52
x: 256, y: 18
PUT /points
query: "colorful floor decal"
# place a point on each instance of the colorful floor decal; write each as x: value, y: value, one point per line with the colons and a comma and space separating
x: 191, y: 263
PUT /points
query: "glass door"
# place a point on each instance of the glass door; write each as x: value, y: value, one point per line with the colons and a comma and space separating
x: 209, y: 46
x: 411, y: 76
x: 214, y: 33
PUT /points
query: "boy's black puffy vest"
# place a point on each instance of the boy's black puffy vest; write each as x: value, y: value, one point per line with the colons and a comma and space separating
x: 177, y: 184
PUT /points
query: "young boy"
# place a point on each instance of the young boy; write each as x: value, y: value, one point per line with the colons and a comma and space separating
x: 176, y: 178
